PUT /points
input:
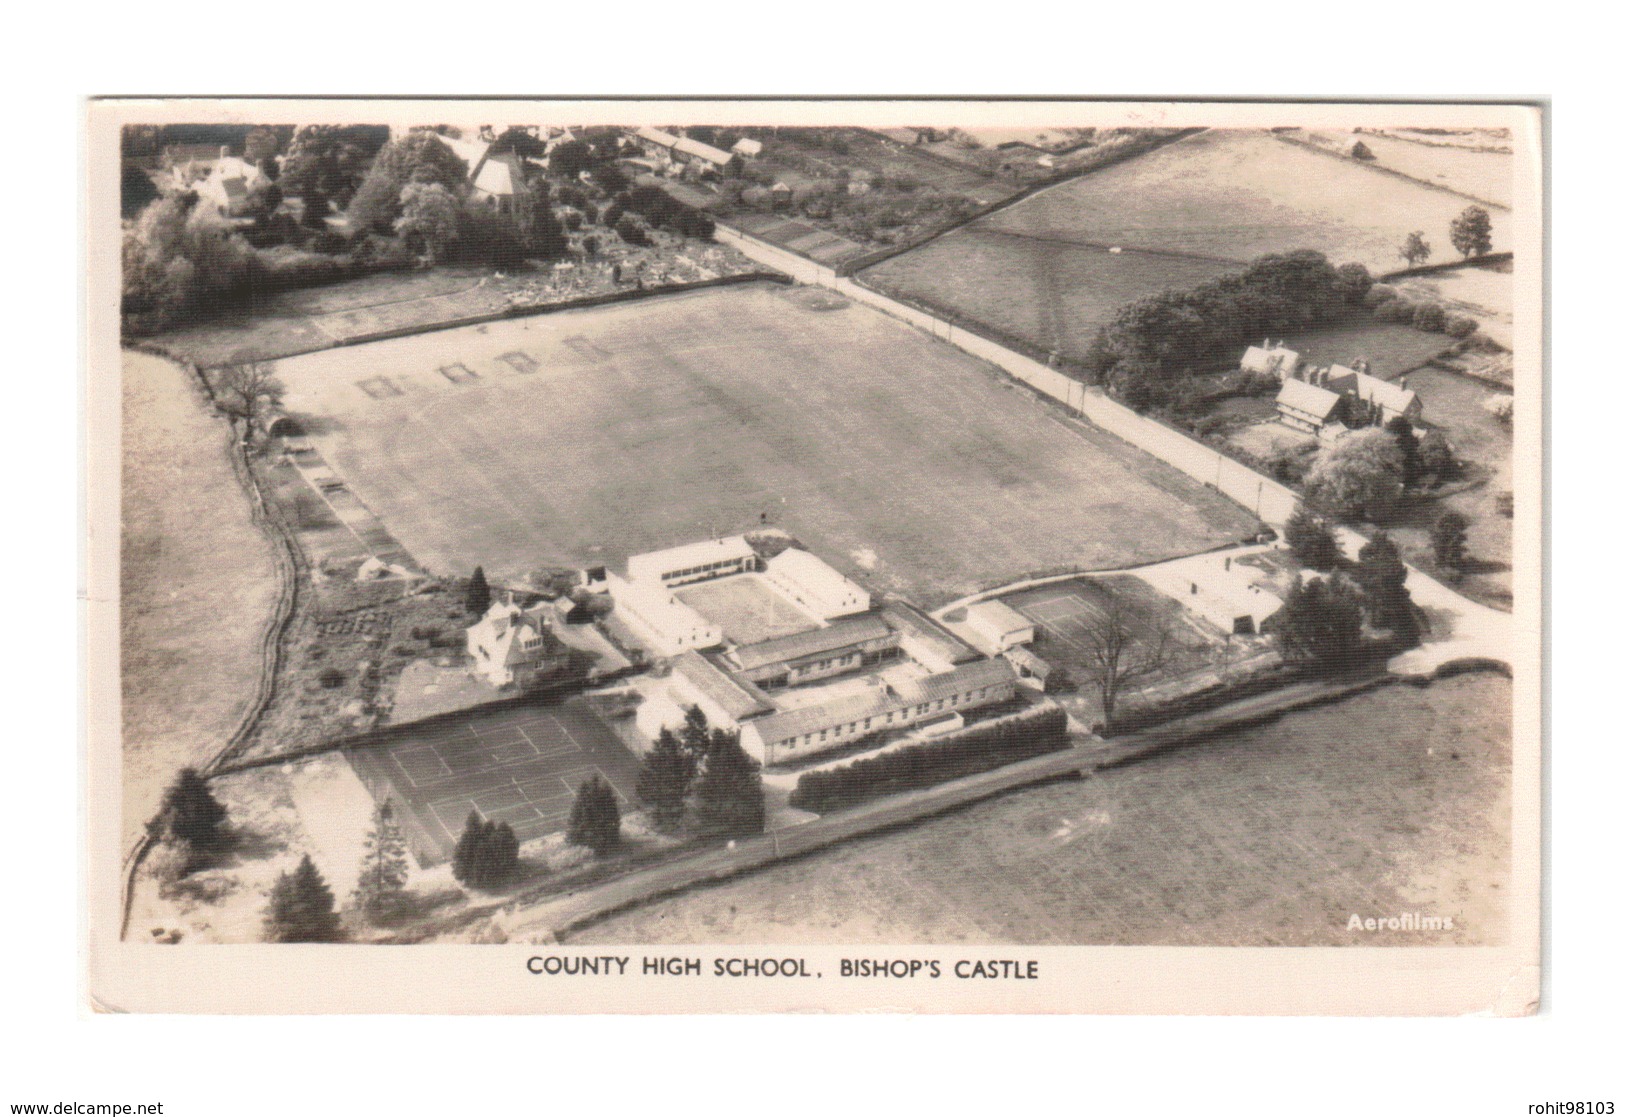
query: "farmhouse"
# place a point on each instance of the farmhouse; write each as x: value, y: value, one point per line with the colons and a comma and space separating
x: 510, y: 645
x: 1382, y: 400
x: 816, y: 586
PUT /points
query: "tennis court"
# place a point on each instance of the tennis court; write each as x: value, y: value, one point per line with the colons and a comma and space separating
x: 519, y: 764
x: 1067, y: 611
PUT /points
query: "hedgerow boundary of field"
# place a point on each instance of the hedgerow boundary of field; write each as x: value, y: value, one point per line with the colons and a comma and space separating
x: 289, y: 562
x: 1128, y: 151
x: 521, y: 311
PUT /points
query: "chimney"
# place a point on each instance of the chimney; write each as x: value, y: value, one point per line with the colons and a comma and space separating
x: 1403, y: 380
x: 224, y: 151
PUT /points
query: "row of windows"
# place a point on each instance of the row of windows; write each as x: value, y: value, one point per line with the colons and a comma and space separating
x: 708, y: 568
x: 906, y: 714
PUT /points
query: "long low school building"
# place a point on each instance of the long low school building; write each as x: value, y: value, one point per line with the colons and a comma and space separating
x: 661, y: 623
x: 794, y: 734
x: 843, y: 646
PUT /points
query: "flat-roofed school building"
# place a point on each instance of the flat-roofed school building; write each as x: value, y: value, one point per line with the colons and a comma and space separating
x: 694, y: 562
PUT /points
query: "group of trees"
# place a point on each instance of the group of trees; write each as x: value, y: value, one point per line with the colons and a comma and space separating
x: 181, y: 259
x: 301, y: 906
x: 486, y: 855
x: 190, y: 826
x: 702, y: 774
x: 1365, y: 474
x: 1470, y: 234
x: 1155, y: 340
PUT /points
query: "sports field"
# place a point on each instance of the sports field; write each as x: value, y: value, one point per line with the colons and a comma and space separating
x: 582, y: 437
x: 1202, y: 206
x: 518, y: 764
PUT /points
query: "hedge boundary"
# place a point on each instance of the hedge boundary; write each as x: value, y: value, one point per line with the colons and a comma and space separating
x: 980, y: 748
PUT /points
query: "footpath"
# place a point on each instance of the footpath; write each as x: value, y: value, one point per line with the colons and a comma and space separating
x: 554, y: 918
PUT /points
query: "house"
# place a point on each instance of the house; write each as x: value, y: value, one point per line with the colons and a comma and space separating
x: 814, y: 585
x: 1307, y: 407
x: 694, y: 562
x: 747, y: 148
x: 229, y: 184
x: 1381, y: 399
x: 498, y: 180
x: 512, y: 646
x: 693, y: 151
x: 1271, y: 359
x: 996, y: 627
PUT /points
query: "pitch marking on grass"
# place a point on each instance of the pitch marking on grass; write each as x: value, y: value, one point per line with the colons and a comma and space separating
x: 380, y: 387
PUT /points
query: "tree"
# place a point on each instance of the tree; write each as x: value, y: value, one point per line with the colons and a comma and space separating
x: 477, y: 598
x: 595, y: 817
x: 419, y: 157
x: 381, y: 886
x: 1359, y: 475
x: 1470, y: 232
x: 261, y: 147
x: 246, y: 391
x: 695, y: 736
x: 664, y: 779
x: 1409, y: 448
x: 301, y: 907
x: 1382, y: 575
x: 1437, y: 456
x: 181, y: 259
x: 330, y: 161
x: 1312, y: 539
x: 486, y: 855
x: 1319, y: 623
x: 1449, y: 537
x: 191, y: 821
x: 428, y: 218
x: 568, y: 160
x: 1117, y: 657
x: 1415, y: 250
x: 728, y: 799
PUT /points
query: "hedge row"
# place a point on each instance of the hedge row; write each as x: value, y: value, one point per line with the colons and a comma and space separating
x: 977, y: 749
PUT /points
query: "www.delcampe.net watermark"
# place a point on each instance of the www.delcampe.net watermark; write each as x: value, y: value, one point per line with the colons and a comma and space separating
x: 1406, y: 921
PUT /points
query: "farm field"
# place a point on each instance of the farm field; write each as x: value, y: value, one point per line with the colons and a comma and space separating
x: 1477, y: 175
x: 581, y: 437
x: 197, y: 584
x: 1394, y: 800
x: 1210, y: 201
x: 1485, y: 293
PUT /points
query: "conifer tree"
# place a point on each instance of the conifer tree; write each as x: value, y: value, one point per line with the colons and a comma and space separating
x: 1311, y: 539
x: 301, y: 907
x: 663, y: 782
x: 695, y: 735
x: 595, y: 817
x: 463, y: 857
x: 487, y: 854
x: 479, y: 593
x: 191, y: 819
x: 1381, y: 575
x: 381, y: 887
x: 728, y: 799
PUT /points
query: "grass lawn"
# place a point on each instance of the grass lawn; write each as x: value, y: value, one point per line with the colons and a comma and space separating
x: 1392, y: 801
x: 197, y: 584
x: 897, y: 458
x: 1211, y: 202
x: 1392, y: 349
x: 1485, y: 293
x: 746, y: 608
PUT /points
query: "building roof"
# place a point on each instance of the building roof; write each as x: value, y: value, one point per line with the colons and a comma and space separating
x: 995, y: 616
x: 1029, y: 660
x: 817, y: 578
x: 656, y: 136
x: 1383, y: 393
x: 1273, y: 359
x: 837, y: 635
x: 703, y: 151
x: 1301, y: 396
x: 748, y: 147
x: 739, y: 700
x: 695, y: 554
x: 880, y: 699
x: 916, y: 625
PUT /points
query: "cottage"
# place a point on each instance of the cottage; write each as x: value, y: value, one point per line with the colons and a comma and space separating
x: 1271, y: 360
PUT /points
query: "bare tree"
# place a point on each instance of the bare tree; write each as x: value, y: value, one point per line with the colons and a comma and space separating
x: 246, y: 391
x: 1117, y: 657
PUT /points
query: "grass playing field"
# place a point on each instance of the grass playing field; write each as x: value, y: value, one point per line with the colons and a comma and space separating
x: 1041, y: 269
x: 896, y: 458
x: 521, y: 765
x: 746, y: 608
x: 1395, y: 800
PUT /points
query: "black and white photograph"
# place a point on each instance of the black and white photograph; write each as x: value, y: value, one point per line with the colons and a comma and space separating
x: 678, y: 556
